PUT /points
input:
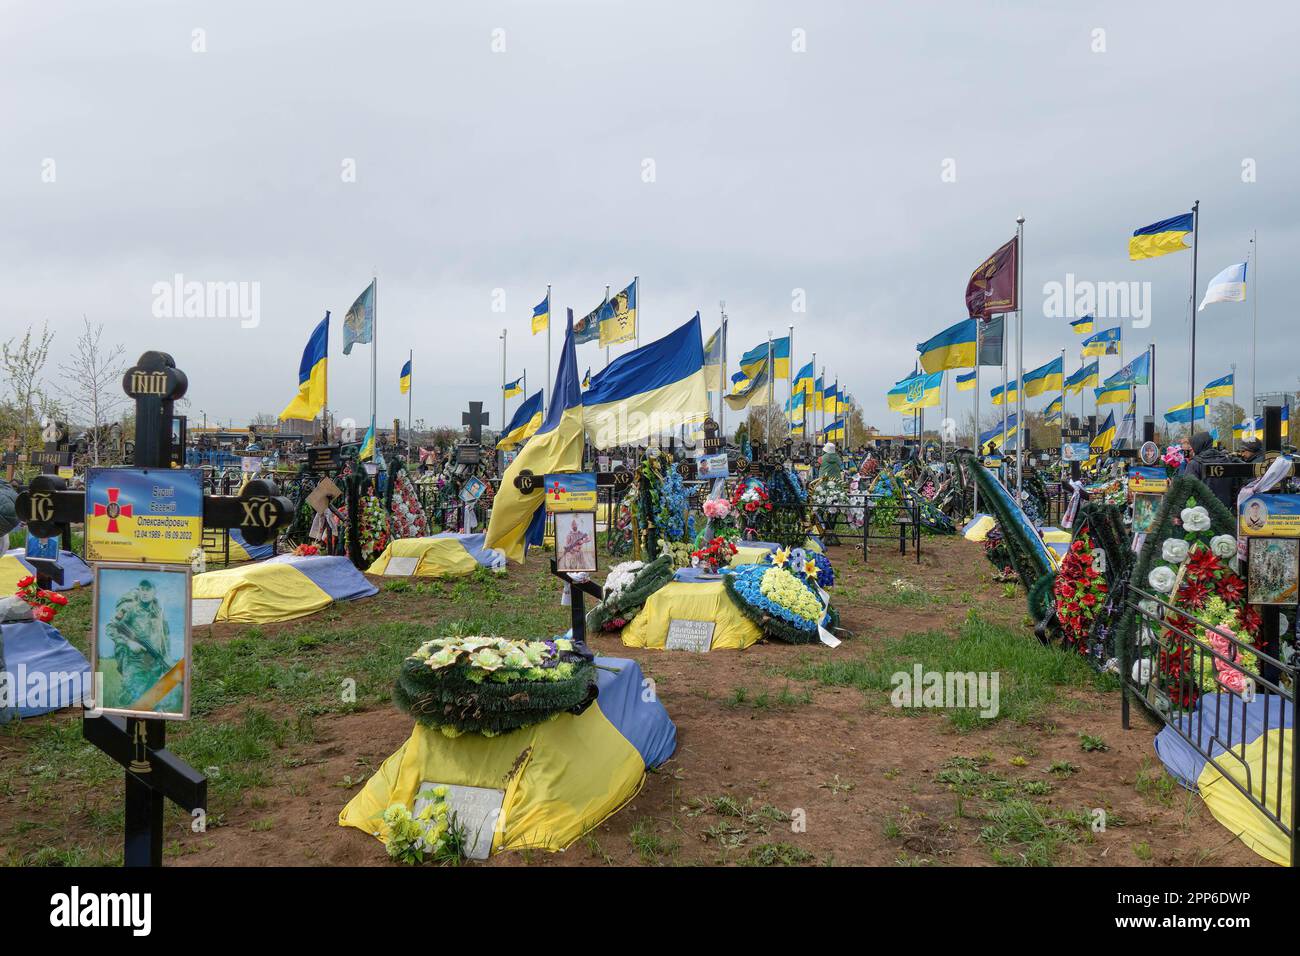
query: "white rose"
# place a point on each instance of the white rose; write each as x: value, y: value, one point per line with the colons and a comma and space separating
x: 1195, y: 519
x: 1174, y: 550
x: 1223, y: 545
x: 1142, y: 672
x: 1162, y: 579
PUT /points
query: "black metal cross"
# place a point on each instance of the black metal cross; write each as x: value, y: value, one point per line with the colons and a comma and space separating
x: 475, y: 418
x: 153, y: 773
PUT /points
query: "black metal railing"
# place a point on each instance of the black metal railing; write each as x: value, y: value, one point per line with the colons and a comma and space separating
x: 1164, y: 664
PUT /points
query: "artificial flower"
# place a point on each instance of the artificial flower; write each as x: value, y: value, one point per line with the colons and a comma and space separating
x: 1195, y: 518
x: 1174, y: 550
x: 1161, y: 578
x: 1223, y: 545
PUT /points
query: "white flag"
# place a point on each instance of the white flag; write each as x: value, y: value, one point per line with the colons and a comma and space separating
x: 1228, y: 286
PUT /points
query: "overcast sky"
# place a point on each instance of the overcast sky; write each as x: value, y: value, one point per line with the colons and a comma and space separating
x: 774, y: 171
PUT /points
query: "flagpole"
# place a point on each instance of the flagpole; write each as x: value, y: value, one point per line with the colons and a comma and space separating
x: 1002, y: 444
x: 325, y: 406
x: 410, y: 399
x: 1254, y: 320
x: 809, y: 405
x: 1234, y: 404
x: 1196, y: 231
x: 503, y: 379
x: 600, y: 317
x: 722, y: 371
x: 979, y: 451
x: 767, y: 421
x: 1020, y: 354
x: 636, y: 283
x: 374, y: 366
x: 789, y: 398
x: 547, y: 386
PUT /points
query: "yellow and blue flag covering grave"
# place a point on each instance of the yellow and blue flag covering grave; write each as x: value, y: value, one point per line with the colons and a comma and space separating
x: 312, y: 376
x: 653, y: 390
x: 954, y: 347
x: 279, y: 589
x: 446, y: 555
x: 1105, y: 342
x: 552, y: 781
x: 524, y: 423
x: 1161, y: 238
x: 556, y: 446
x: 618, y: 317
x: 916, y: 391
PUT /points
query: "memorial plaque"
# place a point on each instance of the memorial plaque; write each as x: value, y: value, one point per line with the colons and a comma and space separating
x: 401, y: 567
x: 477, y: 810
x: 323, y: 458
x: 687, y: 635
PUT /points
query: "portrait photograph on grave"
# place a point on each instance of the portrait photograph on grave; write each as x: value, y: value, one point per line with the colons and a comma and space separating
x: 575, y: 541
x: 141, y: 646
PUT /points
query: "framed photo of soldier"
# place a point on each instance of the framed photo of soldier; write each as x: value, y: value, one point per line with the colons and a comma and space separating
x: 141, y: 649
x: 575, y: 541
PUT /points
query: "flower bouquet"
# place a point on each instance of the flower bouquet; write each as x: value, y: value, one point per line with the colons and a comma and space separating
x: 1080, y: 591
x: 306, y: 550
x: 715, y: 555
x: 45, y: 604
x: 432, y: 834
x: 781, y: 596
x: 493, y: 685
x: 627, y: 587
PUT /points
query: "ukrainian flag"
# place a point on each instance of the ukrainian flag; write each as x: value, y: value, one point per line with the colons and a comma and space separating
x: 312, y: 376
x: 1082, y: 326
x: 966, y: 381
x: 1135, y: 372
x: 1011, y: 396
x: 954, y: 347
x: 834, y: 431
x: 1111, y: 394
x: 831, y: 399
x: 1105, y: 437
x: 803, y: 381
x: 514, y: 388
x: 1286, y: 420
x: 996, y: 436
x: 1045, y: 378
x: 712, y: 363
x: 524, y: 424
x: 1053, y: 410
x: 1187, y: 412
x: 916, y: 391
x: 367, y: 444
x: 404, y: 379
x: 618, y: 317
x: 556, y: 447
x: 1105, y: 342
x: 1085, y: 376
x: 652, y: 390
x: 586, y: 379
x: 1219, y: 388
x: 542, y: 314
x: 1161, y: 238
x: 751, y: 360
x: 817, y: 394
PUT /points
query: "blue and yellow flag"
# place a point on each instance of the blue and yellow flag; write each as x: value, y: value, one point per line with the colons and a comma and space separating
x: 653, y: 390
x: 712, y: 362
x: 803, y: 380
x: 511, y: 389
x: 1186, y: 412
x: 1111, y: 394
x: 1086, y: 375
x: 1052, y: 413
x: 312, y: 376
x: 586, y: 379
x: 751, y: 360
x: 1045, y: 378
x: 1219, y: 388
x: 997, y: 394
x: 1105, y: 436
x: 834, y: 431
x: 817, y: 393
x: 367, y: 444
x: 618, y: 317
x: 359, y: 322
x: 831, y: 400
x: 1135, y: 372
x: 954, y: 347
x: 966, y: 381
x: 755, y: 390
x: 524, y: 423
x: 555, y: 447
x: 404, y: 379
x: 1082, y: 326
x: 1105, y: 342
x: 1161, y: 238
x: 542, y: 314
x: 996, y: 436
x: 916, y: 391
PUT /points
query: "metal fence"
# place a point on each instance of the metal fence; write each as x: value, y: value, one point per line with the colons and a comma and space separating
x: 1166, y: 667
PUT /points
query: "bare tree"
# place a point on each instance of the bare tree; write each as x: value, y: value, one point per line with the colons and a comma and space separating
x: 94, y: 372
x: 22, y: 361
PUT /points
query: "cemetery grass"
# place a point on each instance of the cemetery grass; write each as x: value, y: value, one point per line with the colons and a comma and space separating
x: 786, y: 755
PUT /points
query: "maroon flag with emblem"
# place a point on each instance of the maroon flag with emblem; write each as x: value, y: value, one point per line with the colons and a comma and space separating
x: 992, y: 287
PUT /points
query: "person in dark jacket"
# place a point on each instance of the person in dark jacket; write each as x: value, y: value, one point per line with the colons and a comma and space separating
x: 1204, y: 453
